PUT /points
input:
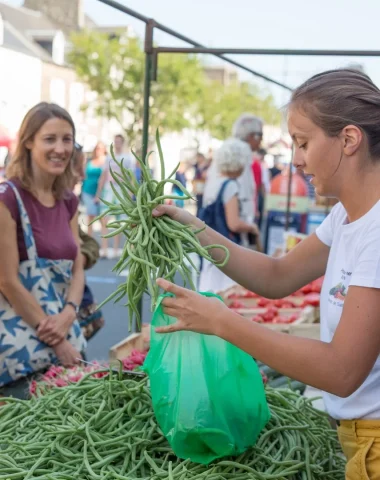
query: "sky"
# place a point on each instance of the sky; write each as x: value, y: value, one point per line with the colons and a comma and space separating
x: 297, y: 24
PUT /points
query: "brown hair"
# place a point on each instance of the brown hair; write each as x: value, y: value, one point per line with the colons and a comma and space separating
x: 96, y: 146
x: 337, y: 98
x: 20, y: 165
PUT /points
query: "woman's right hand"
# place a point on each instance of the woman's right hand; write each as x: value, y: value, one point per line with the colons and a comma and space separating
x: 179, y: 214
x: 67, y: 354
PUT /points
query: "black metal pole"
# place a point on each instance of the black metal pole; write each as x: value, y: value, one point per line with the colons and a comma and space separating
x: 148, y: 48
x: 273, y: 51
x: 289, y: 195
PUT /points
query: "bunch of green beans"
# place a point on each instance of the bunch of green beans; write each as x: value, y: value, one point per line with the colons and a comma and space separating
x: 155, y: 246
x: 105, y: 429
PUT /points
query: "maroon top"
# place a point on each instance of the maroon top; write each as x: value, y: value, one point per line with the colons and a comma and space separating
x: 50, y: 225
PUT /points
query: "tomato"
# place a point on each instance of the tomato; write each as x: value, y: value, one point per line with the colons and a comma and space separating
x: 287, y: 304
x: 268, y: 316
x: 272, y: 310
x: 257, y: 319
x: 235, y: 305
x: 306, y: 289
x: 312, y: 299
x: 250, y: 295
x: 292, y: 318
x: 263, y: 302
x: 278, y: 303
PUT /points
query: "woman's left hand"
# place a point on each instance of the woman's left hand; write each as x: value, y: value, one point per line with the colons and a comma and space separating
x: 193, y: 311
x: 55, y: 328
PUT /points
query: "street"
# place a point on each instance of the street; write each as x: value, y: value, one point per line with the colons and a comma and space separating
x: 103, y: 282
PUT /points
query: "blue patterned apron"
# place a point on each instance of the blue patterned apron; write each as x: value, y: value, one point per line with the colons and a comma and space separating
x: 21, y: 352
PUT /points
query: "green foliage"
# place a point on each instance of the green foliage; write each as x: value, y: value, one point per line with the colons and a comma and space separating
x: 113, y: 67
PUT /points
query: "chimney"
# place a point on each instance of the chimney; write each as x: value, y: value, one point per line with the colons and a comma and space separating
x: 67, y: 14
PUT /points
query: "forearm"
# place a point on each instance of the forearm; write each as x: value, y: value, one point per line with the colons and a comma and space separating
x: 23, y: 303
x: 312, y: 362
x: 102, y: 182
x: 75, y: 293
x: 241, y: 227
x: 244, y: 265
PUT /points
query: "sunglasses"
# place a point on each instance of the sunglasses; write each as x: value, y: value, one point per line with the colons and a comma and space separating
x: 78, y: 147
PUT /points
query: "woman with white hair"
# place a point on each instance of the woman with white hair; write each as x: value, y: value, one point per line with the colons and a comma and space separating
x: 221, y: 206
x: 249, y: 129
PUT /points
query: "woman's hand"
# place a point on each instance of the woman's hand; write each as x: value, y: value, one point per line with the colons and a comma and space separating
x: 193, y: 311
x: 67, y: 354
x: 255, y: 230
x: 55, y: 328
x: 178, y: 214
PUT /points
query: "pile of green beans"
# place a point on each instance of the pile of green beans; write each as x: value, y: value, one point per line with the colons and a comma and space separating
x: 105, y: 429
x: 155, y: 246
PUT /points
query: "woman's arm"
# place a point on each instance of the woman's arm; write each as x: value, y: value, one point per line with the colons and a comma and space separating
x: 102, y: 182
x: 22, y: 301
x: 55, y: 328
x: 234, y: 222
x: 265, y: 275
x: 75, y: 293
x: 339, y: 367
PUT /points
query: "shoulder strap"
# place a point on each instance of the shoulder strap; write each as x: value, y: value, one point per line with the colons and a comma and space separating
x: 222, y: 188
x: 30, y: 244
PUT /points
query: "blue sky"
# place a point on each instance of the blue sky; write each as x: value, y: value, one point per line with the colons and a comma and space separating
x: 326, y: 24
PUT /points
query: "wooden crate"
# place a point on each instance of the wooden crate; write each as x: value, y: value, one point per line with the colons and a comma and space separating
x: 135, y: 341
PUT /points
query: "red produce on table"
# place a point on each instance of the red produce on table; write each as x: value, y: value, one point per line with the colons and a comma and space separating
x: 236, y: 305
x: 264, y: 302
x: 251, y: 295
x: 312, y: 299
x: 258, y: 319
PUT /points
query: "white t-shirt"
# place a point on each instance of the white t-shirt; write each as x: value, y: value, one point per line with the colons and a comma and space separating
x: 247, y: 194
x: 354, y: 259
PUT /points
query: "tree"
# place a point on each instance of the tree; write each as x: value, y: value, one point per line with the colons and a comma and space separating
x: 222, y: 105
x: 113, y: 67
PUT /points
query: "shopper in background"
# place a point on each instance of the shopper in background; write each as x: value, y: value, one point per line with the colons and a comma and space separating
x: 180, y: 176
x: 264, y: 186
x: 334, y: 120
x: 90, y: 317
x: 93, y: 171
x: 276, y: 169
x: 106, y: 192
x: 200, y: 175
x: 41, y: 274
x: 249, y: 129
x: 221, y: 207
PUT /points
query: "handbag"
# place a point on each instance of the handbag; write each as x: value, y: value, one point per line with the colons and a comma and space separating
x: 90, y: 317
x: 21, y: 351
x: 214, y: 216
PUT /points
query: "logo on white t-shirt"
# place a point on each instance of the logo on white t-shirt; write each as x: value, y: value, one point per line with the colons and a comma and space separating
x: 338, y: 293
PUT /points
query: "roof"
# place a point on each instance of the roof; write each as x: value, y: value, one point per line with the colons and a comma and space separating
x: 19, y: 26
x: 23, y: 26
x: 15, y: 40
x: 24, y: 19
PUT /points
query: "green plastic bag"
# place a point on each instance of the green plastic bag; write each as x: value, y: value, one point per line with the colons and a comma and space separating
x: 208, y: 396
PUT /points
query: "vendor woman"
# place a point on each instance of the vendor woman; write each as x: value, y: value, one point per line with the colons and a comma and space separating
x: 334, y: 120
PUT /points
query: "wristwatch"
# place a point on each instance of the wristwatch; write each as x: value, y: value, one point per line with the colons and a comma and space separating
x: 75, y: 306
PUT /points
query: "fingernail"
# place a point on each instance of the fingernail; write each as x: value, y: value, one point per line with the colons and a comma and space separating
x: 155, y: 211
